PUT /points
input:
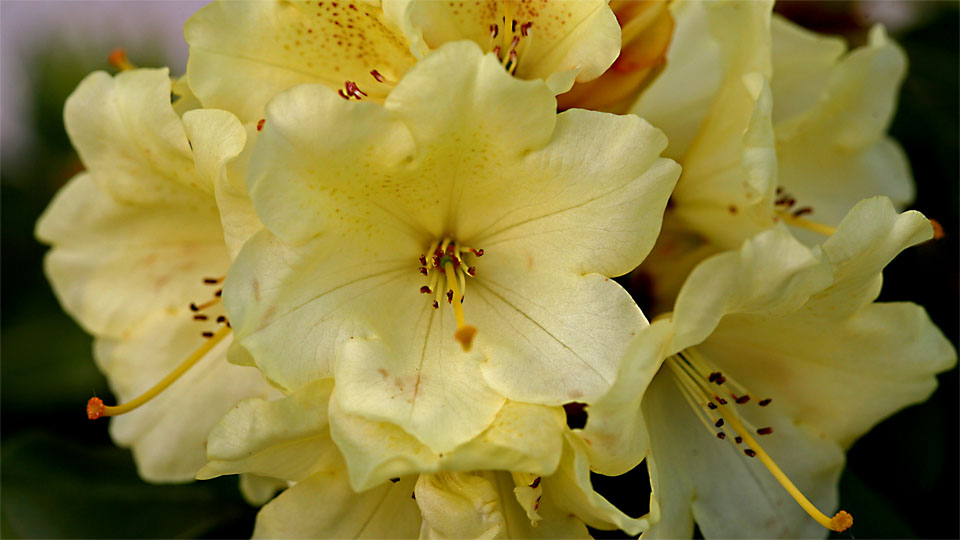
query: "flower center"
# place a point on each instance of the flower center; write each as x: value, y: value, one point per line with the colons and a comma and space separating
x: 95, y: 406
x: 702, y: 383
x: 506, y: 40
x: 444, y: 266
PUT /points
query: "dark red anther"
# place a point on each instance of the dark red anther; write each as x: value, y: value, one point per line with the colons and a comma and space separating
x: 721, y: 435
x: 221, y: 319
x: 764, y: 402
x: 802, y: 211
x: 344, y: 96
x: 193, y: 307
x: 436, y: 305
x: 424, y: 271
x: 742, y: 399
x: 449, y: 250
x: 713, y: 376
x: 455, y: 261
x: 720, y: 400
x: 765, y: 431
x: 719, y: 422
x: 218, y: 293
x: 450, y: 296
x: 478, y: 252
x: 207, y: 334
x: 494, y: 31
x: 210, y: 281
x: 260, y: 124
x: 394, y: 480
x: 536, y: 482
x: 425, y: 290
x: 423, y: 260
x: 472, y: 271
x: 738, y: 439
x: 513, y: 26
x: 721, y: 379
x: 525, y: 28
x: 749, y: 452
x: 711, y: 405
x: 199, y: 317
x: 376, y: 75
x: 496, y: 51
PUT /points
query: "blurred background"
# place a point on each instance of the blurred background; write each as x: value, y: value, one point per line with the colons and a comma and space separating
x: 63, y: 478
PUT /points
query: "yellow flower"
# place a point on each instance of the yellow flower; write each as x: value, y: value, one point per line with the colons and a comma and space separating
x: 525, y: 476
x: 780, y: 352
x: 447, y: 250
x: 781, y: 125
x: 244, y: 53
x: 136, y: 240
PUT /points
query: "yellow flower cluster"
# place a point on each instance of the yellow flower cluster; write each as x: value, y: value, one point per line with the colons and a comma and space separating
x: 360, y: 258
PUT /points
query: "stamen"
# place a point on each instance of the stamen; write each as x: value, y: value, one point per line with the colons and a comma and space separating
x: 694, y: 374
x: 96, y: 408
x: 803, y: 223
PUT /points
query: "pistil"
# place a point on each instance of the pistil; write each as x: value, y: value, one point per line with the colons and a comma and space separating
x: 444, y: 261
x: 96, y: 408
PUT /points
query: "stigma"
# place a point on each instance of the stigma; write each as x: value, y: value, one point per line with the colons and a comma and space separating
x: 707, y: 389
x: 444, y: 266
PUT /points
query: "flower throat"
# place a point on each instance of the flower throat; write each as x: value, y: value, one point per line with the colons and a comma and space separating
x: 448, y: 279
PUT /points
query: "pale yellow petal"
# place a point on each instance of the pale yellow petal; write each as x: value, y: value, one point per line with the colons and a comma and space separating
x: 459, y: 505
x: 324, y: 506
x: 286, y: 438
x: 522, y: 437
x: 244, y: 53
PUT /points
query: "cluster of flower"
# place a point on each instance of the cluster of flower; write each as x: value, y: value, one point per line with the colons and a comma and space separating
x: 357, y: 255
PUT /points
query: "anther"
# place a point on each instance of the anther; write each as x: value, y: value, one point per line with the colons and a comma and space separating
x: 721, y: 435
x: 765, y: 431
x: 720, y: 400
x: 450, y: 296
x: 423, y: 260
x: 742, y: 399
x: 802, y: 211
x: 494, y: 31
x: 207, y: 334
x: 425, y: 290
x: 219, y: 293
x: 423, y: 271
x: 376, y: 75
x: 525, y: 28
x: 711, y: 405
x: 472, y: 271
x: 436, y: 305
x: 221, y: 319
x: 212, y: 281
x: 719, y: 422
x: 749, y: 452
x: 764, y: 402
x: 200, y: 317
x: 738, y: 439
x: 536, y: 482
x: 194, y: 307
x: 260, y: 124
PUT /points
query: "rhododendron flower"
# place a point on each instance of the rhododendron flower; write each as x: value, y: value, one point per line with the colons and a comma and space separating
x: 783, y: 125
x: 774, y: 361
x: 448, y: 250
x: 138, y: 254
x: 243, y: 53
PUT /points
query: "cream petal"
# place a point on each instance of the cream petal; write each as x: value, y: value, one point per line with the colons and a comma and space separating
x: 324, y: 506
x: 258, y: 490
x: 522, y: 437
x: 548, y: 337
x: 114, y: 264
x: 429, y: 387
x: 771, y: 273
x: 132, y: 140
x: 459, y: 505
x: 237, y: 215
x: 615, y: 436
x: 808, y: 363
x: 166, y: 447
x: 286, y: 438
x: 729, y: 495
x: 582, y: 37
x: 867, y: 239
x: 802, y: 64
x: 572, y: 490
x: 244, y: 53
x: 608, y: 186
x: 290, y: 308
x: 845, y: 128
x: 715, y: 44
